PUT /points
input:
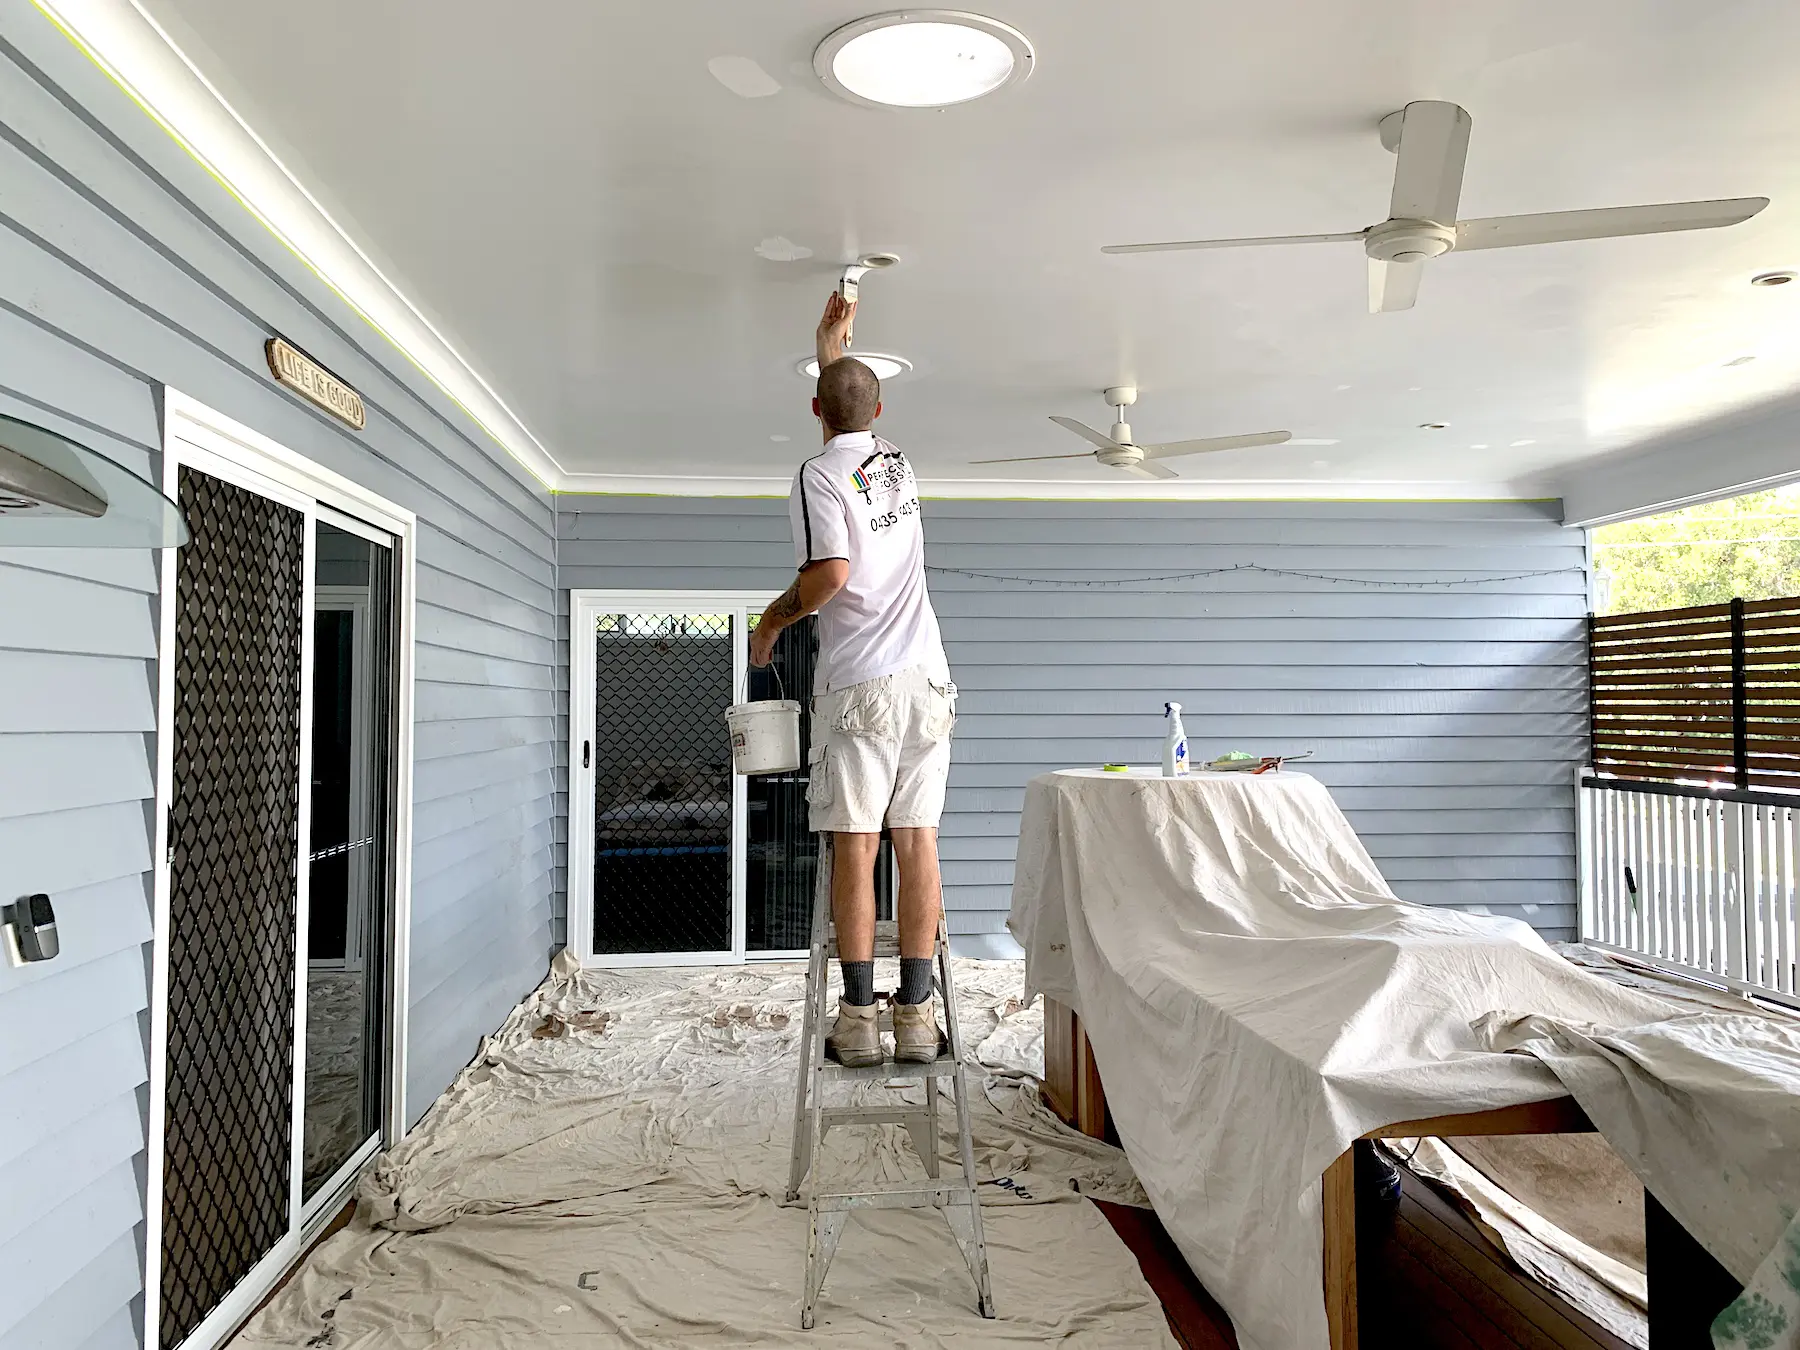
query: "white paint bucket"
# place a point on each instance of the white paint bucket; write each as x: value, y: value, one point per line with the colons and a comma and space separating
x: 765, y: 736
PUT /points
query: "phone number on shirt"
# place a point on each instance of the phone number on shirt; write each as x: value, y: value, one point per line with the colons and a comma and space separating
x: 888, y: 518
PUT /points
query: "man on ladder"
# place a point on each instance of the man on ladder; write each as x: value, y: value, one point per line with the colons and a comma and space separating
x: 883, y: 709
x: 883, y: 700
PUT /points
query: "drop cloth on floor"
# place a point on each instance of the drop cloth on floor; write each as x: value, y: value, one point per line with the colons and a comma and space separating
x: 623, y: 1187
x: 1257, y: 998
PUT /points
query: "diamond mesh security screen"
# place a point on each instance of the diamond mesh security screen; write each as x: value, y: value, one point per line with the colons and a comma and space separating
x: 662, y: 783
x: 783, y: 855
x: 233, y: 840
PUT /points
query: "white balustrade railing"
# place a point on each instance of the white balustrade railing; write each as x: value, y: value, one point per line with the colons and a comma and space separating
x: 1696, y: 881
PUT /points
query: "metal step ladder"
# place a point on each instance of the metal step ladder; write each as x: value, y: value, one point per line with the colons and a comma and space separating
x: 813, y: 1119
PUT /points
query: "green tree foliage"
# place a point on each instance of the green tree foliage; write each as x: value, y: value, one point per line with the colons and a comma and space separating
x: 1704, y: 555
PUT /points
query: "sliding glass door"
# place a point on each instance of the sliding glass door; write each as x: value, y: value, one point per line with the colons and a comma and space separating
x: 349, y: 860
x: 673, y: 858
x: 664, y: 797
x: 279, y: 911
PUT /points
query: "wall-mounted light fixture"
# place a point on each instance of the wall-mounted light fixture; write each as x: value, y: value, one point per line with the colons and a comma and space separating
x: 57, y: 493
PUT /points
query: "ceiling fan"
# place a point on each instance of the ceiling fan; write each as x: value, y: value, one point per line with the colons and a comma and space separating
x: 1119, y: 451
x: 1432, y: 142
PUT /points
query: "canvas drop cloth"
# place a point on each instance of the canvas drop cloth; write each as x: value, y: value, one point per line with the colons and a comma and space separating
x: 1257, y: 998
x: 1705, y: 1108
x: 610, y: 1172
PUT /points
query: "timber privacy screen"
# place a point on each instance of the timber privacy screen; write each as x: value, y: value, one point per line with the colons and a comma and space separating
x: 1706, y: 697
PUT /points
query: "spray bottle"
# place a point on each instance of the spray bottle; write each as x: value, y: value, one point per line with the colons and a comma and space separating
x: 1175, y: 750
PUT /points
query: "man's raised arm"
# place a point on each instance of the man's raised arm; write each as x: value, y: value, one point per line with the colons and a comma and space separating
x: 828, y: 342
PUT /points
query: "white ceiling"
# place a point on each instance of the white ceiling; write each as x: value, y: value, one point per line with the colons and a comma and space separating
x: 577, y: 203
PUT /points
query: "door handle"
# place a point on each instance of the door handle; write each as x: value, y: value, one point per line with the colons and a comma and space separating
x: 585, y: 747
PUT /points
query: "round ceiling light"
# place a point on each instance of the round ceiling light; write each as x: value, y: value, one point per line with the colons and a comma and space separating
x: 922, y: 58
x: 1772, y: 278
x: 885, y: 365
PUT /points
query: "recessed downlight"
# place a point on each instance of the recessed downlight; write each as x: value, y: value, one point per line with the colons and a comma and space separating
x: 922, y: 58
x: 1432, y: 426
x: 1773, y: 278
x: 885, y: 365
x: 1740, y: 361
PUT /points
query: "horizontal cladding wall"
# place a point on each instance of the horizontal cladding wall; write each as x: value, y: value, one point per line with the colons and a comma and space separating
x: 123, y: 267
x: 1448, y: 722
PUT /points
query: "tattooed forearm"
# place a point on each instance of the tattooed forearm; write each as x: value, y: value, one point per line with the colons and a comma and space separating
x: 812, y: 588
x: 786, y: 607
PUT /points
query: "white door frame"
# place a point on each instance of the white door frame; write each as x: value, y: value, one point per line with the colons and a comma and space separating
x: 195, y: 436
x: 585, y: 607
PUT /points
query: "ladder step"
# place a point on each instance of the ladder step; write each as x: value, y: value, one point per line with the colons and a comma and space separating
x: 873, y: 1115
x: 884, y: 951
x: 910, y: 1195
x: 889, y: 1070
x: 887, y: 940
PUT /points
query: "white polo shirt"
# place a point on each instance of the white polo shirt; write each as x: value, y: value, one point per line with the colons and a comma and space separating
x: 858, y: 500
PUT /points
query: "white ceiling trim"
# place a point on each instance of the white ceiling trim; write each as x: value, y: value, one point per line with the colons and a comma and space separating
x: 134, y: 50
x: 1751, y: 452
x: 1124, y: 488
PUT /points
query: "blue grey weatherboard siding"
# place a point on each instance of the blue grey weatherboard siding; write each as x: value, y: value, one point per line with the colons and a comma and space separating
x: 124, y: 266
x: 1449, y: 725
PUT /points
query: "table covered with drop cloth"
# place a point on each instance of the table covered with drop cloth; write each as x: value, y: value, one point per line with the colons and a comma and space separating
x: 1257, y: 998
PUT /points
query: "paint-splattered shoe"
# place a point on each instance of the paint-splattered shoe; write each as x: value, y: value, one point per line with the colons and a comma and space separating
x: 855, y: 1041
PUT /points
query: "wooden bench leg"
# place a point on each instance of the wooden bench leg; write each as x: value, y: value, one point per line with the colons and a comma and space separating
x: 1338, y: 1204
x: 1059, y: 1060
x: 1072, y: 1086
x: 1688, y: 1287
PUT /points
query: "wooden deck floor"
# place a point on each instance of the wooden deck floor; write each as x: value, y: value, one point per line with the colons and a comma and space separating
x: 1429, y: 1281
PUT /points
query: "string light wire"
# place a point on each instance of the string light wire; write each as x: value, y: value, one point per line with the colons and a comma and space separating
x: 1239, y: 568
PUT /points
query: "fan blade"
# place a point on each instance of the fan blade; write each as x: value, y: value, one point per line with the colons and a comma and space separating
x: 1176, y: 247
x: 1170, y: 449
x: 1086, y: 432
x: 1393, y: 285
x: 1148, y: 471
x: 1033, y: 459
x: 1612, y: 222
x: 1434, y: 143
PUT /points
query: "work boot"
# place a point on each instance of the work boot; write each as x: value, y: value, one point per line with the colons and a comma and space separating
x: 916, y: 1036
x: 855, y: 1041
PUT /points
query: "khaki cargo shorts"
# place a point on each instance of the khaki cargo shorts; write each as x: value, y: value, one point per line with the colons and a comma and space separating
x: 881, y: 754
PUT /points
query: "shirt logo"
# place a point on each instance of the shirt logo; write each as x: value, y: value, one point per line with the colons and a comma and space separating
x: 880, y: 472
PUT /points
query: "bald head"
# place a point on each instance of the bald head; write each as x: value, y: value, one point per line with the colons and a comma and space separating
x: 849, y: 395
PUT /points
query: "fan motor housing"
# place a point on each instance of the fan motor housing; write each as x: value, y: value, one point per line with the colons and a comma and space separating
x: 1408, y: 240
x: 1120, y: 456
